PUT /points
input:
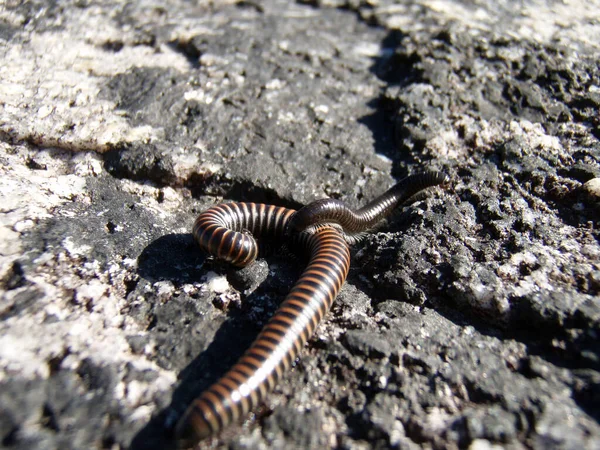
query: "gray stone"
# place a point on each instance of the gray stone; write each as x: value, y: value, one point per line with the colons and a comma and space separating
x: 367, y: 344
x: 470, y: 319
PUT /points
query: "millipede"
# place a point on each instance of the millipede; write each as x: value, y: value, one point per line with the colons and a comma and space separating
x: 325, y: 229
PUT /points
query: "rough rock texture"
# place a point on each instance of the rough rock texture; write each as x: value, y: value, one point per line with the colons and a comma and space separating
x: 471, y: 320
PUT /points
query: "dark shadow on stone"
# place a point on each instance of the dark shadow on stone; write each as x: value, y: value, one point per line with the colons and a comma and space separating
x: 174, y: 257
x: 230, y: 341
x: 189, y: 49
x: 397, y: 70
x: 381, y: 124
x: 390, y: 66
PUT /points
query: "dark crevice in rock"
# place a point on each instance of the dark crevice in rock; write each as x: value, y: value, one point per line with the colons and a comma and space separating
x: 114, y: 46
x: 14, y: 278
x: 189, y: 50
x: 49, y: 419
x: 10, y: 439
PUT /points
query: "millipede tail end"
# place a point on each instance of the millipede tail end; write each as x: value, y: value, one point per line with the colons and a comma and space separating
x: 191, y: 429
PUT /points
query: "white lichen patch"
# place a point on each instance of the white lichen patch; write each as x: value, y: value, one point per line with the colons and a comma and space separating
x: 483, y: 444
x: 163, y: 289
x: 70, y: 306
x: 80, y: 317
x: 186, y: 163
x: 73, y: 249
x: 9, y: 242
x: 446, y: 145
x: 570, y: 22
x: 27, y: 195
x: 536, y: 135
x: 138, y: 393
x: 546, y: 267
x: 161, y: 202
x: 217, y: 283
x: 50, y: 83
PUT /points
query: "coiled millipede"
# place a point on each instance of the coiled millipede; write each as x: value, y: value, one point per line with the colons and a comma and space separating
x: 324, y: 228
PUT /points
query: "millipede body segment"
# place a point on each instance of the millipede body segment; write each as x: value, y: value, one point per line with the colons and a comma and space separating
x: 226, y: 231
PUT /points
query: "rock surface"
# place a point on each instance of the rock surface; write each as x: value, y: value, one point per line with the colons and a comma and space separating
x: 471, y: 320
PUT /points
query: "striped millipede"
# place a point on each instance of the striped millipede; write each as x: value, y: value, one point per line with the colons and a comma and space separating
x: 226, y: 231
x: 334, y: 213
